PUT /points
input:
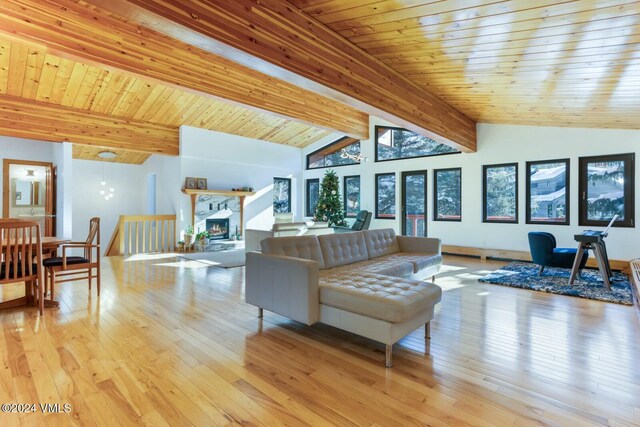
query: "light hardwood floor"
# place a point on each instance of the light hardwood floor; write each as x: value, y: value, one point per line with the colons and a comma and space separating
x: 171, y: 342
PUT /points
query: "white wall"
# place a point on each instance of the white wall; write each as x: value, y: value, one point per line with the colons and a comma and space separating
x: 501, y: 144
x: 129, y: 183
x: 63, y: 161
x: 230, y: 161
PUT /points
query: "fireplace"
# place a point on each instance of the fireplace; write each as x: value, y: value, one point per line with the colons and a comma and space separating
x: 218, y: 228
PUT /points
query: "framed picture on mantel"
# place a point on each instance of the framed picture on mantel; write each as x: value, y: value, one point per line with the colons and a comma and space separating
x: 202, y: 183
x: 190, y: 183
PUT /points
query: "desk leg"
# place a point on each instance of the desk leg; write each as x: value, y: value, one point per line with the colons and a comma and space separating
x: 602, y: 266
x: 576, y: 262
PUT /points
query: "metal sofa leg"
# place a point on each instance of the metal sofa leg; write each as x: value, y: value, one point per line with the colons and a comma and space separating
x: 260, y: 312
x: 388, y: 357
x: 540, y: 270
x: 433, y: 279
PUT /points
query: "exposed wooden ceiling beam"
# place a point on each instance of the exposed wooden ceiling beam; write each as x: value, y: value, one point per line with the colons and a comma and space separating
x: 80, y: 31
x: 295, y: 47
x: 23, y: 118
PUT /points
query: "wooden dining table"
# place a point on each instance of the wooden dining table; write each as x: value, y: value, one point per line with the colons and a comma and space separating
x: 50, y: 245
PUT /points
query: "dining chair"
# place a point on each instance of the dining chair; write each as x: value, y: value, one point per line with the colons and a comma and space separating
x: 69, y: 268
x: 20, y: 246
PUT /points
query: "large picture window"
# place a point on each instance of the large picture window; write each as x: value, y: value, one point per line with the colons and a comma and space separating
x: 386, y: 195
x: 548, y: 192
x: 351, y: 190
x: 281, y: 195
x: 332, y: 155
x: 500, y: 193
x: 313, y: 194
x: 447, y: 194
x: 607, y: 189
x: 398, y: 143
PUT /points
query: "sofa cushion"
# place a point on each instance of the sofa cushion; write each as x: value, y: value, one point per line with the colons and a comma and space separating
x: 394, y: 267
x: 381, y: 242
x: 375, y: 295
x: 341, y: 249
x: 419, y: 261
x: 306, y: 247
x: 391, y: 267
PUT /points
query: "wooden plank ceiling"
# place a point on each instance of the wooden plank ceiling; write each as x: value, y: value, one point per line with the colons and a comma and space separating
x: 29, y: 72
x: 88, y: 152
x: 272, y: 36
x: 546, y: 62
x: 74, y: 54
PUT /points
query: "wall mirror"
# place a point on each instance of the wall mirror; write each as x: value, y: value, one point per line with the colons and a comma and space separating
x: 28, y: 193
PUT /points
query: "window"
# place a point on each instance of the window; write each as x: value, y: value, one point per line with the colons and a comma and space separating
x: 332, y: 155
x: 281, y: 195
x: 548, y: 192
x: 398, y: 143
x: 447, y: 194
x: 351, y: 190
x: 386, y: 195
x: 500, y: 193
x: 606, y: 189
x: 313, y: 194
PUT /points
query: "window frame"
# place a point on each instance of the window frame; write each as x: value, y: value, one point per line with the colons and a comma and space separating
x: 435, y: 195
x: 324, y: 147
x: 403, y: 199
x: 629, y: 190
x: 395, y: 198
x: 375, y: 148
x: 288, y: 193
x: 307, y: 184
x: 567, y: 219
x: 484, y: 194
x: 344, y: 193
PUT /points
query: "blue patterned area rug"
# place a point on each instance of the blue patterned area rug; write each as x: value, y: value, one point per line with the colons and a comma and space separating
x: 555, y: 281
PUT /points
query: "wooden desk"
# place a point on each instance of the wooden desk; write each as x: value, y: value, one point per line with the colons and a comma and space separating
x: 49, y: 248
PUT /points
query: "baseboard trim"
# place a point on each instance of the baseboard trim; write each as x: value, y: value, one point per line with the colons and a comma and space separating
x: 484, y: 253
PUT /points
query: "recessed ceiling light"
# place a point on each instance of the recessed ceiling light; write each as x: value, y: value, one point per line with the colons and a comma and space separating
x: 107, y: 155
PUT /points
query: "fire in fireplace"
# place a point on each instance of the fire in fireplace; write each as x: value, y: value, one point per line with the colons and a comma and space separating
x: 218, y: 228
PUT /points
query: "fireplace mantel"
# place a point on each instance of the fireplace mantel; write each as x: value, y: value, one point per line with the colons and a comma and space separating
x: 225, y: 193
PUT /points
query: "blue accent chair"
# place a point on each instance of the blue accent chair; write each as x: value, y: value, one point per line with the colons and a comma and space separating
x: 545, y: 254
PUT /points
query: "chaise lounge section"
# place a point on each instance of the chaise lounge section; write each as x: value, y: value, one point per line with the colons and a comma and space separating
x: 367, y: 283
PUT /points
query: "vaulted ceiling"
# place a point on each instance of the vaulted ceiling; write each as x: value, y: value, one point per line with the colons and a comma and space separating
x: 125, y: 74
x: 543, y: 62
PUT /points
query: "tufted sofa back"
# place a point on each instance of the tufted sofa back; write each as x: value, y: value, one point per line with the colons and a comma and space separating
x: 381, y: 242
x: 344, y: 248
x: 306, y: 247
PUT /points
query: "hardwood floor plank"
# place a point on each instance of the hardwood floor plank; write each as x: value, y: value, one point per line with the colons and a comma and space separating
x: 172, y: 343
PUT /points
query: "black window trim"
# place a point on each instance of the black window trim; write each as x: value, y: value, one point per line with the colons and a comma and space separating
x: 567, y: 220
x: 629, y: 190
x: 403, y: 198
x: 394, y: 196
x: 435, y: 195
x: 375, y: 146
x: 484, y: 194
x: 306, y: 207
x: 324, y: 147
x: 288, y: 193
x: 344, y: 193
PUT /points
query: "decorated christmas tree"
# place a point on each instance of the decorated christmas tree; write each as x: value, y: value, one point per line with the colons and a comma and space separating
x: 329, y: 206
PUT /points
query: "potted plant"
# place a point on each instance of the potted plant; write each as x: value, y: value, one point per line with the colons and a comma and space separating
x: 181, y: 246
x: 201, y: 237
x: 188, y: 236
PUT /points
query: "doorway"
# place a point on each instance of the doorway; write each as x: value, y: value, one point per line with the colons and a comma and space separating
x: 414, y: 203
x: 28, y: 192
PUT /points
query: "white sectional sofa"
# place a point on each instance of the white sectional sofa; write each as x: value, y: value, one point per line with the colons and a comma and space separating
x: 366, y: 282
